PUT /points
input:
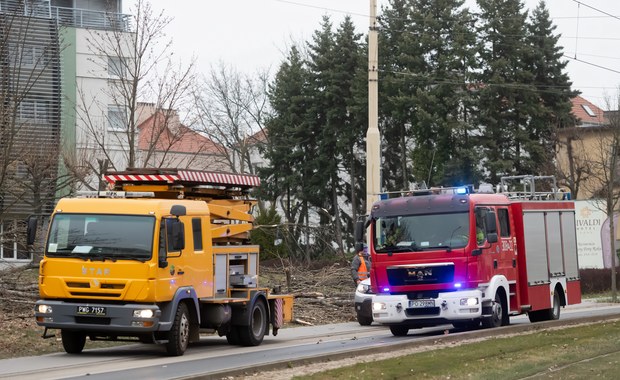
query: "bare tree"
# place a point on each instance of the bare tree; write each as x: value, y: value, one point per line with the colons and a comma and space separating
x: 601, y: 154
x: 231, y: 108
x: 136, y: 62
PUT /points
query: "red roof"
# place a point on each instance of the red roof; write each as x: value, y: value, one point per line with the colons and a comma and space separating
x: 169, y: 134
x: 587, y: 113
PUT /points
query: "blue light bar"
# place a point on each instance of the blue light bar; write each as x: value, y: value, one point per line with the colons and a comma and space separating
x: 385, y: 290
x: 457, y: 285
x: 461, y: 190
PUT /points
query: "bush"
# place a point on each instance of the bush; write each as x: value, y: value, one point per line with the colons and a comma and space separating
x: 596, y: 280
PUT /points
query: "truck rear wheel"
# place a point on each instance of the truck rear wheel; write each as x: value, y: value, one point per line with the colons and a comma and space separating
x: 399, y: 330
x: 73, y: 341
x: 253, y: 334
x: 178, y: 337
x: 547, y: 314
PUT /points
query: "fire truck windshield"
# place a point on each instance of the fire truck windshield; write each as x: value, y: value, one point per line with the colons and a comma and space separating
x: 408, y: 233
x: 101, y: 237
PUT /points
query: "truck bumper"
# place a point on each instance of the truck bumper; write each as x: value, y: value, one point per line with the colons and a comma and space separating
x: 130, y: 319
x: 447, y: 307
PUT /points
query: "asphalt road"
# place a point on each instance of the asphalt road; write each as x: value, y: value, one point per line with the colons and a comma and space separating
x: 213, y: 357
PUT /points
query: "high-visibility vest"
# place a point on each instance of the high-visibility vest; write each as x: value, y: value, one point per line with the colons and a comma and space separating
x: 362, y: 271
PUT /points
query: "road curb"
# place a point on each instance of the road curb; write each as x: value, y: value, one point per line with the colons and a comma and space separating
x: 434, y: 340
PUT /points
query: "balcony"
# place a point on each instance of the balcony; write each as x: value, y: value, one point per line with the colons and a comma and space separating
x: 84, y: 18
x: 76, y: 17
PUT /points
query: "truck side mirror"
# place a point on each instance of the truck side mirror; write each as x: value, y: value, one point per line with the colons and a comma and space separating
x: 492, y: 237
x: 359, y: 232
x: 31, y: 232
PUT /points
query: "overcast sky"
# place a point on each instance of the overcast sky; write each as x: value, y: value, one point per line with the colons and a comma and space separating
x: 252, y: 34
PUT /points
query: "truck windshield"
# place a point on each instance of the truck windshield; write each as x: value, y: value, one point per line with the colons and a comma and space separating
x: 101, y: 237
x: 421, y: 232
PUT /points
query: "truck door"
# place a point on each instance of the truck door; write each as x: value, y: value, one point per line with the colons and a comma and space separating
x: 507, y: 257
x: 490, y: 257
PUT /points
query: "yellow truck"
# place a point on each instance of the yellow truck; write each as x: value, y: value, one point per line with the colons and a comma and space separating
x: 161, y: 257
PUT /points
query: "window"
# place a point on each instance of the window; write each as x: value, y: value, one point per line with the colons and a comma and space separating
x: 197, y: 232
x: 116, y: 67
x: 117, y: 116
x: 34, y: 110
x: 504, y: 222
x: 11, y: 246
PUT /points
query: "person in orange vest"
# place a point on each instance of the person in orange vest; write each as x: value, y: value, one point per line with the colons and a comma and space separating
x: 360, y: 266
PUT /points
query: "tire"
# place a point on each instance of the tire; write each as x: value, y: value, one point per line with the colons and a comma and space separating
x: 364, y: 321
x: 178, y: 336
x: 253, y: 334
x: 233, y: 336
x: 547, y: 314
x: 497, y: 317
x: 399, y: 330
x: 73, y: 341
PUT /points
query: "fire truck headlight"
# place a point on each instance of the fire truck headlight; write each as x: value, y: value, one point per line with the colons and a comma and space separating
x: 471, y: 301
x: 143, y: 313
x: 44, y: 309
x: 378, y: 306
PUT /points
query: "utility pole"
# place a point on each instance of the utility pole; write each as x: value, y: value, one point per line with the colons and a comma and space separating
x: 373, y: 138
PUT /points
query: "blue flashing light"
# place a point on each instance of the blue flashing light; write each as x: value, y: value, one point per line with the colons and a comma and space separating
x: 461, y: 190
x: 383, y: 196
x: 386, y: 290
x: 457, y: 285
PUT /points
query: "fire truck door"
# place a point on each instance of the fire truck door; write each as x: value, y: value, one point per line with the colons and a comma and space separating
x: 507, y: 258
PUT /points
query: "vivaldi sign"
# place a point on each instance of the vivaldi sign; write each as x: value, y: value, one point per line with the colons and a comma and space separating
x: 589, y: 220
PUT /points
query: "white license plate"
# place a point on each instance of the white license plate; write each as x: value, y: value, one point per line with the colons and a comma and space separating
x: 91, y: 310
x: 421, y: 303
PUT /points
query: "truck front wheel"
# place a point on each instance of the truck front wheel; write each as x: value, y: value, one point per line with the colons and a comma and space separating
x: 253, y: 334
x: 497, y: 317
x: 73, y: 341
x: 178, y: 337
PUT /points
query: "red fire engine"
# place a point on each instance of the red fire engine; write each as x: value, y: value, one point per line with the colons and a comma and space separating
x: 465, y: 257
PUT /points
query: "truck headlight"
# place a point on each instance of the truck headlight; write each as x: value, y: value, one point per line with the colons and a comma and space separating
x: 143, y: 313
x: 378, y: 306
x: 44, y: 309
x: 470, y: 301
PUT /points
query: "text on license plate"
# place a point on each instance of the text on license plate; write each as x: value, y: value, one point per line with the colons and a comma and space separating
x: 91, y: 310
x: 421, y: 303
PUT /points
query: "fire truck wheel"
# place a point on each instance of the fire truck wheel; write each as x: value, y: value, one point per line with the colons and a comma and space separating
x: 253, y: 334
x: 497, y: 313
x: 73, y: 341
x: 554, y: 312
x: 178, y: 337
x: 399, y: 330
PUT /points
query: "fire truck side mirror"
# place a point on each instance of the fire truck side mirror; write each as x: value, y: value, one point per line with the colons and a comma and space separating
x: 359, y: 232
x: 492, y: 237
x: 31, y: 232
x: 490, y: 223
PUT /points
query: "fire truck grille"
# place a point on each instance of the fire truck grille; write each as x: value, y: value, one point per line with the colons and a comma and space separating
x: 399, y: 276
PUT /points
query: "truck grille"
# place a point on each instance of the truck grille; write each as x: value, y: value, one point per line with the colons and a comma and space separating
x: 399, y: 276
